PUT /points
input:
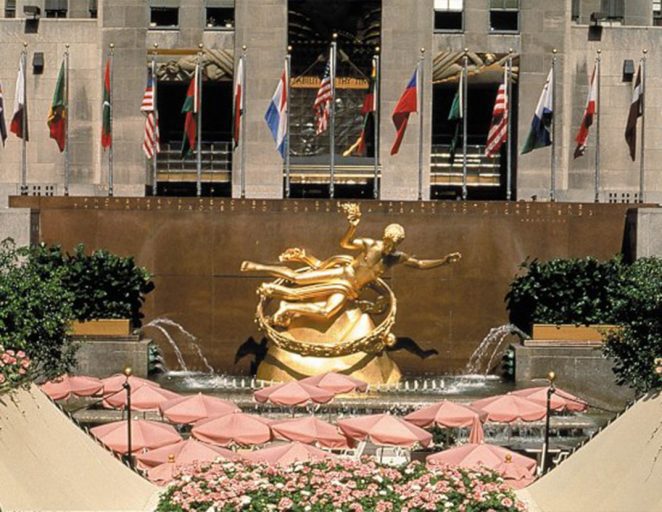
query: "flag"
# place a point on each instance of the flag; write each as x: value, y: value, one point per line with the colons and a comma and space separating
x: 276, y: 115
x: 238, y: 106
x: 636, y: 111
x: 322, y: 105
x: 3, y: 126
x: 540, y: 134
x: 20, y: 115
x: 151, y: 138
x: 106, y: 129
x: 57, y: 115
x: 498, y: 133
x: 589, y: 113
x: 455, y: 114
x: 365, y: 142
x: 407, y: 104
x: 190, y: 108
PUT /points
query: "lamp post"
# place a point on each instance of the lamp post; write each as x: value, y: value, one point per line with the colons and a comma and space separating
x: 551, y: 377
x: 127, y: 386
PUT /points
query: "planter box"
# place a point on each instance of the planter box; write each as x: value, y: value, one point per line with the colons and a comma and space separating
x: 569, y: 333
x: 101, y: 356
x: 109, y: 327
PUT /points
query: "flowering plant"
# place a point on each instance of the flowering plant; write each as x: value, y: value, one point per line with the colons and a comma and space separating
x: 336, y: 486
x: 14, y: 368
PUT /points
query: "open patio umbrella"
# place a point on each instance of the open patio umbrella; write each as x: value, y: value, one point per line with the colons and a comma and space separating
x: 287, y: 454
x: 515, y: 475
x: 385, y: 430
x: 445, y: 414
x: 144, y: 435
x: 114, y: 383
x: 476, y: 435
x: 143, y: 398
x: 234, y: 428
x: 337, y: 383
x: 311, y: 430
x: 293, y: 394
x: 184, y: 452
x: 192, y: 408
x: 473, y: 455
x: 509, y: 408
x: 163, y: 474
x: 560, y: 400
x: 66, y: 386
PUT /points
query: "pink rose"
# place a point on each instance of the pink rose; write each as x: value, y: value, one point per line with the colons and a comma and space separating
x: 2, y: 378
x: 507, y: 502
x: 20, y: 354
x: 25, y: 363
x: 22, y: 371
x: 11, y: 352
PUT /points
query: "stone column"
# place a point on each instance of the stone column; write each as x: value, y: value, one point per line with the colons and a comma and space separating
x: 406, y: 28
x: 261, y: 25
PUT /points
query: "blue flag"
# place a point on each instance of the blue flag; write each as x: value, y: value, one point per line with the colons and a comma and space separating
x: 540, y: 134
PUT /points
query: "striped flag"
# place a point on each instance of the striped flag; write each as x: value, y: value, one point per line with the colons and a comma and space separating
x: 276, y: 115
x: 238, y: 104
x: 322, y: 105
x: 106, y: 125
x: 407, y: 104
x: 3, y: 126
x: 589, y: 114
x: 190, y: 109
x: 636, y: 111
x: 20, y: 114
x: 498, y: 133
x: 151, y: 139
x: 365, y: 141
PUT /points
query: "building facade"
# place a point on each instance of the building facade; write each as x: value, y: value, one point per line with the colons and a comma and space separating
x: 173, y: 32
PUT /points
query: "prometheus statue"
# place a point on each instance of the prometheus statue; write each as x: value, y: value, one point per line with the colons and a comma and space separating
x: 324, y: 318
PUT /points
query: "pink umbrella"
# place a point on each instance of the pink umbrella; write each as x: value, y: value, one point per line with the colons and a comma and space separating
x: 509, y: 408
x: 164, y: 473
x: 337, y: 383
x: 293, y: 393
x: 476, y: 435
x: 473, y: 455
x: 144, y: 435
x: 192, y: 408
x: 67, y: 386
x: 143, y: 398
x: 310, y: 430
x: 184, y: 452
x: 385, y: 429
x: 446, y: 414
x: 515, y: 475
x: 114, y: 383
x: 559, y: 401
x: 287, y: 454
x: 235, y: 428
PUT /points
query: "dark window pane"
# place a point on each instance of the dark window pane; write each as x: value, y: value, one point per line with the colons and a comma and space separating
x: 501, y: 21
x: 447, y: 20
x: 220, y: 17
x: 164, y: 17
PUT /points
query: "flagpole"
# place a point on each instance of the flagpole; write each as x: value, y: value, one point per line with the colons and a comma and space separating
x: 597, y: 127
x: 67, y: 162
x: 465, y: 90
x: 332, y: 128
x: 242, y: 113
x: 197, y: 108
x: 642, y: 97
x: 288, y: 69
x: 552, y: 187
x: 509, y: 90
x: 24, y: 125
x: 110, y: 101
x: 156, y: 122
x: 420, y: 82
x: 375, y: 121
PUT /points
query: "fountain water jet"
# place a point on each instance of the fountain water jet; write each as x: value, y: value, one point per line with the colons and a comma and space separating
x: 158, y: 323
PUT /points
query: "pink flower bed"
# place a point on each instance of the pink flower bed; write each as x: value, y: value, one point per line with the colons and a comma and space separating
x: 336, y: 486
x: 14, y: 368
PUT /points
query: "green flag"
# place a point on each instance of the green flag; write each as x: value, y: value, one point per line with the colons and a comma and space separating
x: 57, y: 114
x: 455, y: 114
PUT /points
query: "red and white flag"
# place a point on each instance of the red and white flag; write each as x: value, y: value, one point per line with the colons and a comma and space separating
x: 19, y: 118
x: 498, y: 133
x: 238, y: 105
x: 589, y: 114
x: 151, y: 139
x: 322, y: 105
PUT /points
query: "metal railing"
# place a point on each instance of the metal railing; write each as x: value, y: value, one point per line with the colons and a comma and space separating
x: 482, y: 171
x: 216, y: 163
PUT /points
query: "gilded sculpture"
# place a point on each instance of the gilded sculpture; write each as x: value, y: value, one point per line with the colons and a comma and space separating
x: 334, y: 314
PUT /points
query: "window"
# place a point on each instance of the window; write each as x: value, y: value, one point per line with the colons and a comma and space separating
x: 613, y: 9
x: 576, y: 11
x: 504, y: 15
x: 448, y: 14
x: 219, y: 14
x: 93, y: 8
x: 657, y: 13
x: 161, y: 16
x: 56, y: 8
x: 10, y: 8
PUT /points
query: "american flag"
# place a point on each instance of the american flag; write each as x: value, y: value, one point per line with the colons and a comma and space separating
x: 322, y: 106
x: 151, y: 139
x: 498, y: 133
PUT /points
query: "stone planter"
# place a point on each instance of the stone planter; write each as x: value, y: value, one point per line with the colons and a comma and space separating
x: 102, y: 327
x: 568, y: 334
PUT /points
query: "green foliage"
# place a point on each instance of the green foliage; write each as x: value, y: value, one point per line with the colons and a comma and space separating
x: 35, y: 310
x: 104, y: 285
x: 637, y: 307
x: 563, y: 291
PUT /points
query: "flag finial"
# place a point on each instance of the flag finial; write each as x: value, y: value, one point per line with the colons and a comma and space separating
x: 66, y: 46
x: 25, y: 44
x: 422, y: 51
x: 111, y: 45
x: 289, y: 49
x: 554, y: 51
x: 377, y: 49
x: 243, y: 47
x: 645, y: 51
x: 599, y: 51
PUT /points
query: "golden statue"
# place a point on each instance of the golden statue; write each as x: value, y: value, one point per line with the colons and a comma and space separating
x: 324, y: 319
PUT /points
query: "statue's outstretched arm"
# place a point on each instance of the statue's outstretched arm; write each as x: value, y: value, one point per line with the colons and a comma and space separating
x: 353, y: 213
x: 410, y: 261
